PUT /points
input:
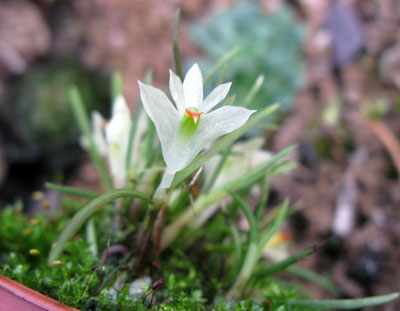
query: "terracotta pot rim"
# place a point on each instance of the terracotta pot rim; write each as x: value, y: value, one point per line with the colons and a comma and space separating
x: 33, y: 297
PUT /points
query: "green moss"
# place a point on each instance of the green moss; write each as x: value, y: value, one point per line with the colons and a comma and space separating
x: 191, y: 278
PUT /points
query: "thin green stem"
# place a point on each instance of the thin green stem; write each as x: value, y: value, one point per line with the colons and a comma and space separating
x: 177, y: 60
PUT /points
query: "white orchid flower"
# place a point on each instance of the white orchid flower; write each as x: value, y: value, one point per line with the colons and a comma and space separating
x: 98, y: 124
x: 189, y: 127
x: 117, y: 132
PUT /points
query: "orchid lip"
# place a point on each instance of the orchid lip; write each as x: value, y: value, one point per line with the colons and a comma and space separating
x: 194, y: 115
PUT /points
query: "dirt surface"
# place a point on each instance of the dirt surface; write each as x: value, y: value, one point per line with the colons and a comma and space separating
x: 346, y: 188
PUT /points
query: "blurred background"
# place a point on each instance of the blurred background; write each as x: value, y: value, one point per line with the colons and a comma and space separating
x: 333, y: 65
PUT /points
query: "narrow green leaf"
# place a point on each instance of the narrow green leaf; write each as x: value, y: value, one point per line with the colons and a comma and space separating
x: 283, y: 264
x: 204, y: 200
x: 249, y: 216
x: 220, y: 63
x: 84, y: 125
x: 253, y: 91
x: 116, y: 85
x: 238, y: 251
x: 83, y: 215
x: 218, y: 169
x: 318, y: 279
x: 91, y: 237
x: 222, y: 144
x: 344, y: 303
x: 71, y: 190
x: 275, y: 225
x: 230, y: 100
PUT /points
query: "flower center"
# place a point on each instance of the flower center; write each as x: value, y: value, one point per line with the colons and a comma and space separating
x: 189, y: 122
x: 193, y: 113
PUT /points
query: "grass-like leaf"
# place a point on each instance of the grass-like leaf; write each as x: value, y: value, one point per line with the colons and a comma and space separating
x: 275, y: 225
x: 313, y: 277
x: 249, y: 216
x: 84, y: 125
x: 344, y: 304
x: 71, y: 190
x: 283, y: 264
x: 83, y: 215
x: 204, y: 200
x: 221, y: 63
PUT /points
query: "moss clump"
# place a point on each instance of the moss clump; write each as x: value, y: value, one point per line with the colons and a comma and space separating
x: 186, y: 286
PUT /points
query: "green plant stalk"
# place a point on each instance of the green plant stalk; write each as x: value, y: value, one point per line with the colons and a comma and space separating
x: 84, y: 125
x: 177, y: 22
x: 222, y: 144
x: 177, y: 60
x: 315, y: 278
x: 344, y: 303
x: 283, y: 264
x: 71, y: 190
x: 221, y: 62
x: 83, y: 215
x: 172, y: 230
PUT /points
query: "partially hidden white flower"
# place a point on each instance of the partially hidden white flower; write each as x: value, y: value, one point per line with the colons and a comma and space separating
x: 98, y: 124
x: 187, y: 128
x: 117, y: 132
x: 245, y: 157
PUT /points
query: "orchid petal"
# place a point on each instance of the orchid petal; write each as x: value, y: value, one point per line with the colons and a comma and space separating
x: 163, y: 114
x: 217, y: 123
x: 176, y: 89
x: 213, y: 125
x: 193, y: 87
x: 215, y: 97
x: 98, y: 133
x: 117, y: 137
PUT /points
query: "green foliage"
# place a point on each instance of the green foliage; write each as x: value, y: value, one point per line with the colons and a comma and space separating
x: 269, y: 45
